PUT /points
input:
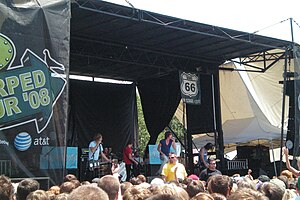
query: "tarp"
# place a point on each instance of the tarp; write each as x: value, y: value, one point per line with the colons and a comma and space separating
x: 251, y: 105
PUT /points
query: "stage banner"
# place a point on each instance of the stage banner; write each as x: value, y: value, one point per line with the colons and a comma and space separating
x: 190, y: 88
x: 34, y: 65
x: 154, y: 157
x: 297, y: 102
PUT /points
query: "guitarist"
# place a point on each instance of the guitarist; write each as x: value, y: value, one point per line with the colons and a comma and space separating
x: 96, y: 149
x: 128, y: 160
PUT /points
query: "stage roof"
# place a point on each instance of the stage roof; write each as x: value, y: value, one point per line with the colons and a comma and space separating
x: 114, y: 41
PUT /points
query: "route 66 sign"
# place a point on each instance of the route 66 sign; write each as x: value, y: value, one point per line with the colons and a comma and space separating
x: 189, y: 86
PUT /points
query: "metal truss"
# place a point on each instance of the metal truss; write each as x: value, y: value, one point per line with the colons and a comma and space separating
x: 143, y: 61
x: 168, y: 22
x: 268, y: 58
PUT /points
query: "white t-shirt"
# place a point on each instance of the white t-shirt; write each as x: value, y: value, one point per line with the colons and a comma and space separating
x: 97, y: 152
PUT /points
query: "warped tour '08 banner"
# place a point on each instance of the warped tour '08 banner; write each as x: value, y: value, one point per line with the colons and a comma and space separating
x: 34, y: 65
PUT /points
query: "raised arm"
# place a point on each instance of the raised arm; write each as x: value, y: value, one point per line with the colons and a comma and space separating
x: 202, y: 157
x: 174, y: 145
x: 288, y: 164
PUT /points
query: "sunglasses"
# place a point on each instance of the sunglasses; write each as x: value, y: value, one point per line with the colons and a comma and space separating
x: 171, y: 157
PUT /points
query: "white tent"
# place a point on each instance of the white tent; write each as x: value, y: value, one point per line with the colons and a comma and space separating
x: 251, y: 106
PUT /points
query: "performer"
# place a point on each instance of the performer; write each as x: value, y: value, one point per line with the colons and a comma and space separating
x: 96, y: 149
x: 164, y: 149
x: 128, y: 159
x: 203, y: 158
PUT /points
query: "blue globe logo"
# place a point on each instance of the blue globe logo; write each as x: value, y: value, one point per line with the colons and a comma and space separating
x: 22, y: 141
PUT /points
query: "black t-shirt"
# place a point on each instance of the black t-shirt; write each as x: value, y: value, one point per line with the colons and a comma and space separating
x: 205, y: 174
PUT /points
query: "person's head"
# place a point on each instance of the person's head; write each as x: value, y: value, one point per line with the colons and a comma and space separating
x: 98, y: 137
x: 287, y: 173
x: 6, y: 188
x: 54, y: 190
x: 218, y: 196
x: 194, y: 188
x: 38, y: 194
x: 219, y: 184
x: 124, y: 186
x: 129, y: 144
x: 272, y: 191
x: 67, y: 187
x: 212, y: 164
x: 25, y: 187
x: 171, y: 189
x: 88, y: 192
x: 115, y: 161
x: 163, y: 197
x: 110, y: 185
x: 142, y: 177
x: 172, y: 158
x: 62, y: 196
x: 202, y: 196
x: 70, y: 177
x: 168, y: 134
x: 247, y: 193
x: 105, y: 150
x: 209, y: 146
x: 136, y: 192
x: 246, y: 183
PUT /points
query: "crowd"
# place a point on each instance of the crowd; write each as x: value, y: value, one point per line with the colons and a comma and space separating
x: 172, y: 182
x: 177, y: 186
x: 108, y: 187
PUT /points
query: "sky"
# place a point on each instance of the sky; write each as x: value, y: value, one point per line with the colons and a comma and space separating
x: 269, y: 17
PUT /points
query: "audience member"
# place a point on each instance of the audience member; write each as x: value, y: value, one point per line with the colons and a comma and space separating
x: 288, y: 164
x: 25, y: 187
x: 194, y: 188
x: 38, y: 195
x: 202, y: 196
x: 124, y: 186
x: 247, y: 193
x: 272, y: 191
x: 249, y: 175
x: 55, y: 190
x: 136, y: 192
x: 6, y: 188
x: 110, y: 185
x: 88, y: 192
x: 163, y: 197
x: 220, y: 184
x: 246, y: 183
x: 63, y: 196
x: 70, y: 177
x: 218, y: 196
x: 67, y: 187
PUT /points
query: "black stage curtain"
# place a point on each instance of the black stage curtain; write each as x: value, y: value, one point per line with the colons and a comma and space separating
x: 200, y: 118
x: 160, y: 99
x: 106, y: 108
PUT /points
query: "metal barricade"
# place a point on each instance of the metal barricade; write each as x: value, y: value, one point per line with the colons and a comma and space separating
x: 5, y: 167
x: 237, y: 164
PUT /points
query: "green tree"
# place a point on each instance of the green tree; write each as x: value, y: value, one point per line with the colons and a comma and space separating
x: 144, y: 136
